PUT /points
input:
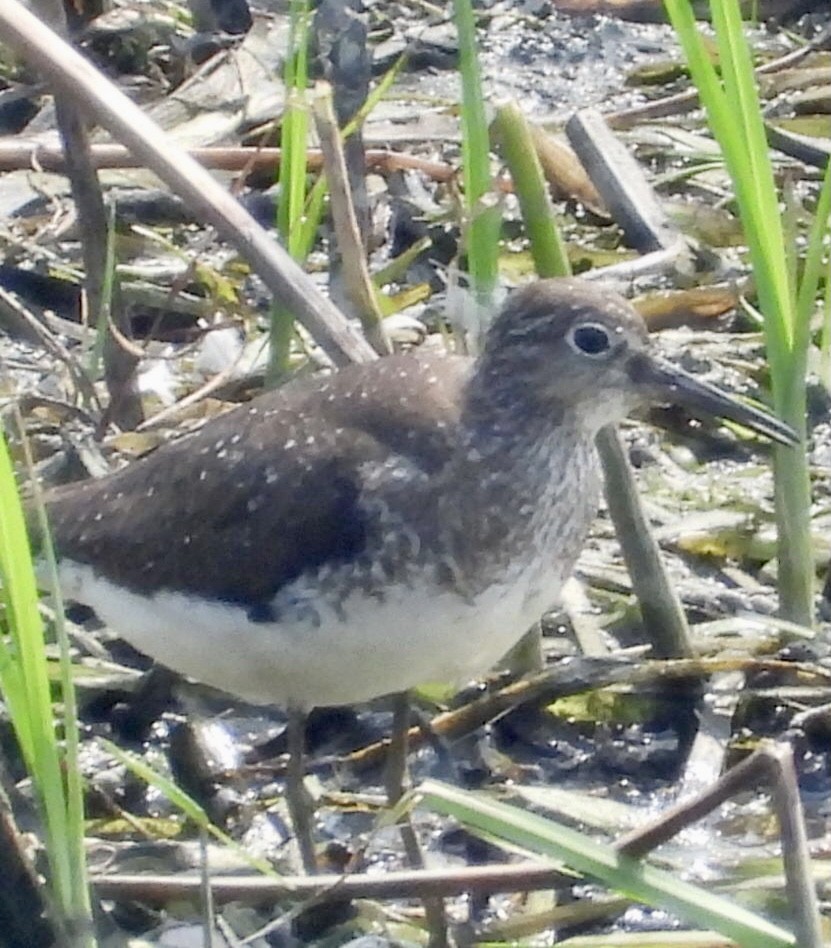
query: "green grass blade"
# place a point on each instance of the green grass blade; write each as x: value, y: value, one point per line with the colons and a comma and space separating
x: 183, y: 802
x: 735, y: 117
x: 751, y: 169
x: 292, y: 177
x: 825, y: 337
x: 73, y: 781
x: 24, y: 680
x: 294, y: 126
x: 484, y: 217
x: 816, y: 260
x: 22, y: 615
x: 96, y: 354
x: 516, y: 145
x: 634, y: 879
x: 309, y: 224
x: 376, y: 94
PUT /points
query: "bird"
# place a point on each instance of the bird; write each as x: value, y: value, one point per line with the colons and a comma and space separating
x: 393, y: 523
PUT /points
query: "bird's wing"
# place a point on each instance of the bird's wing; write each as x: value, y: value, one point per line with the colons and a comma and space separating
x: 267, y: 491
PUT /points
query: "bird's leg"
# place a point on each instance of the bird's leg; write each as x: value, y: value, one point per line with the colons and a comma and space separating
x: 301, y: 807
x: 395, y: 775
x: 395, y: 771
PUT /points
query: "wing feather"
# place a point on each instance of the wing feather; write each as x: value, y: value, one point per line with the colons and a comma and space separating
x: 267, y: 491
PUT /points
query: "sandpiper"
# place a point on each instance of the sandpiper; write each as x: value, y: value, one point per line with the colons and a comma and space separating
x: 394, y: 523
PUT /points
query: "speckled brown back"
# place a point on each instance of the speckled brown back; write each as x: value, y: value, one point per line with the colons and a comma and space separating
x: 268, y: 490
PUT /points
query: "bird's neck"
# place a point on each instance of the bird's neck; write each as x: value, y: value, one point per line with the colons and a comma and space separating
x: 523, y: 484
x: 506, y: 425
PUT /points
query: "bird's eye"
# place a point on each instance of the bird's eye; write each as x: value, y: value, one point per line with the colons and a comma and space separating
x: 590, y: 339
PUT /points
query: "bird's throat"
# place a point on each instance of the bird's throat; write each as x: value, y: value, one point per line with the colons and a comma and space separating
x: 519, y: 498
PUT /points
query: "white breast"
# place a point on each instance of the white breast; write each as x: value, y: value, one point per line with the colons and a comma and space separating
x: 416, y: 634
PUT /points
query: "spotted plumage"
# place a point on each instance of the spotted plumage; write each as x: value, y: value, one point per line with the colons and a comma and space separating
x: 394, y: 523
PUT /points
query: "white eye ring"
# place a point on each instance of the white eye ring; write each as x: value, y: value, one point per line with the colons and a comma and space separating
x: 590, y: 339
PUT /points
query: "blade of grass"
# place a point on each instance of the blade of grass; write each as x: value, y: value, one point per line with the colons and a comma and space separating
x: 73, y: 781
x: 816, y: 258
x: 24, y: 681
x: 825, y: 337
x: 634, y: 879
x: 484, y: 220
x: 516, y: 145
x: 183, y: 802
x: 376, y: 94
x: 295, y: 125
x: 735, y: 117
x: 305, y: 229
x: 292, y: 178
x: 96, y: 355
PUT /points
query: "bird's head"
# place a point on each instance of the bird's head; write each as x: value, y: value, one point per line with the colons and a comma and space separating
x: 576, y: 350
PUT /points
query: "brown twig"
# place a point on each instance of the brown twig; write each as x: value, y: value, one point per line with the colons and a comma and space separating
x: 405, y: 884
x: 18, y: 155
x: 773, y: 764
x: 568, y: 678
x: 357, y: 281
